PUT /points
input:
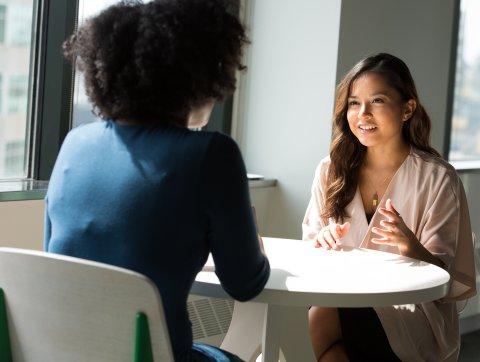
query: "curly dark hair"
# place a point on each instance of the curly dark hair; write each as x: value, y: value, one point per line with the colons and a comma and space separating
x: 159, y: 60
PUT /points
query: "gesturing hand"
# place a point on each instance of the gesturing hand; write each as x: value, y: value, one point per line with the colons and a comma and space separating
x: 329, y: 235
x: 395, y: 232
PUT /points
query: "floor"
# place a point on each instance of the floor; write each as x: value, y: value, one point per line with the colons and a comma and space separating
x: 470, y: 350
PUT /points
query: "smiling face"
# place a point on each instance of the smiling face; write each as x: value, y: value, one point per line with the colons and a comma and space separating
x: 376, y: 111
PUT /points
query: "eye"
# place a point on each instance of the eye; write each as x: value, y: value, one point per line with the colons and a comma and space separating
x: 353, y: 103
x: 378, y: 100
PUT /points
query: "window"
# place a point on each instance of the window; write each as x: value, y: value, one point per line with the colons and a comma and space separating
x: 41, y: 97
x: 14, y: 156
x: 20, y: 23
x: 15, y: 72
x: 1, y: 94
x: 82, y: 109
x: 3, y: 11
x: 465, y: 128
x: 18, y: 94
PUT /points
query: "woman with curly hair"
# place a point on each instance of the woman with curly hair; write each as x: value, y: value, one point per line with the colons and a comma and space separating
x: 384, y: 187
x: 139, y: 189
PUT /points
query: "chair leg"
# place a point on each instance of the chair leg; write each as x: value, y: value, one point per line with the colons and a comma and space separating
x: 143, y: 346
x: 5, y: 347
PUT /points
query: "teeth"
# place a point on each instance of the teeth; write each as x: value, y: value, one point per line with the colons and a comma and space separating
x: 367, y: 127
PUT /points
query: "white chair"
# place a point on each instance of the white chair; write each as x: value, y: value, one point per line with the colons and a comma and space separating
x: 61, y: 308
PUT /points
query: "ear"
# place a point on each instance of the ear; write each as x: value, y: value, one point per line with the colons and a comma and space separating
x: 410, y: 107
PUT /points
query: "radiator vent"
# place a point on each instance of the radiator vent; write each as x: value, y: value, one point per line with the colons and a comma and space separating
x: 209, y: 316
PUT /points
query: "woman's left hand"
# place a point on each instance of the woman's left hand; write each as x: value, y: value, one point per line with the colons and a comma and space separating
x: 395, y: 232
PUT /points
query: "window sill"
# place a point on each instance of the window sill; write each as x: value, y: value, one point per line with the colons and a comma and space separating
x: 21, y: 190
x: 466, y: 166
x: 262, y: 183
x: 258, y: 181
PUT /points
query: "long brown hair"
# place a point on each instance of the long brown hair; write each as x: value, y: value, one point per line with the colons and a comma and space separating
x: 346, y: 152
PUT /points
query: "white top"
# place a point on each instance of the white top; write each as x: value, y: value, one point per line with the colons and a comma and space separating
x: 302, y: 275
x: 429, y: 195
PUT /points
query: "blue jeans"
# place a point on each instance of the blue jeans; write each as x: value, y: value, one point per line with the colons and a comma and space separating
x: 204, y: 352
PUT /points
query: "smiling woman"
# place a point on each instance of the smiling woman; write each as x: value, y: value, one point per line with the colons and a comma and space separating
x: 404, y: 123
x: 392, y: 192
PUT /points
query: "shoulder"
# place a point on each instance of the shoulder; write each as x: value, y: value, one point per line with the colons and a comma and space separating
x: 222, y: 139
x: 220, y: 154
x: 220, y: 144
x: 322, y: 169
x: 82, y: 137
x: 86, y: 131
x: 434, y: 170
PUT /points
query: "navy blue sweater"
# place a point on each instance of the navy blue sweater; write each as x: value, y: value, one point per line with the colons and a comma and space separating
x: 157, y: 200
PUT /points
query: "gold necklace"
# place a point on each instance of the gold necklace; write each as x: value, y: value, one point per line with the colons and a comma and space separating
x: 375, y: 197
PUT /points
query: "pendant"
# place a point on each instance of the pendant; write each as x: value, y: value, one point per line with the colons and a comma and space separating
x: 375, y: 200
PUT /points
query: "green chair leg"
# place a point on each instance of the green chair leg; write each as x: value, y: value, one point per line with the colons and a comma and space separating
x: 5, y: 347
x: 143, y: 347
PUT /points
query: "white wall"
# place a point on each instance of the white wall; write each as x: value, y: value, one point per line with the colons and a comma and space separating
x: 288, y: 102
x: 419, y: 32
x: 21, y: 224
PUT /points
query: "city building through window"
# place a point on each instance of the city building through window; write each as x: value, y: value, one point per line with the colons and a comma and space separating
x: 3, y: 11
x: 15, y: 49
x: 465, y: 129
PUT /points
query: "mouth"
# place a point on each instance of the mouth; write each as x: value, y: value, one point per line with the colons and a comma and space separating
x: 367, y: 128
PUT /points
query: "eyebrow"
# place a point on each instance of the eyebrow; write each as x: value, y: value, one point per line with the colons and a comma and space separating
x: 381, y: 93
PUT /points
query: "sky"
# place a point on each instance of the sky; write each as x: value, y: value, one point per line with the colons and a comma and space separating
x: 88, y: 7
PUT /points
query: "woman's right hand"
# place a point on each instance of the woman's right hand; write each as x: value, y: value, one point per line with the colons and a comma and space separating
x: 330, y: 235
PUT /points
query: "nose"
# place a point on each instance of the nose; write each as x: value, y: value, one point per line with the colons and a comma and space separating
x: 364, y: 112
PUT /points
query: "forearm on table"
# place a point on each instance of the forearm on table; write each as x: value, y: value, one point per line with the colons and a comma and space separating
x: 417, y: 251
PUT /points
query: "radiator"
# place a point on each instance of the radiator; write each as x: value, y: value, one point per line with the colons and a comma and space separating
x: 210, y: 318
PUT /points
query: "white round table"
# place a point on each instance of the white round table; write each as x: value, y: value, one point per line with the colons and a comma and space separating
x: 302, y: 276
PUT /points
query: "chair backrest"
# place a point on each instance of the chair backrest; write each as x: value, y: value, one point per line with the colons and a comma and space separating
x: 61, y: 308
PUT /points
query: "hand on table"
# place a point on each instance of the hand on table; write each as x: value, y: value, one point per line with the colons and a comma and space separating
x: 394, y: 231
x: 330, y: 235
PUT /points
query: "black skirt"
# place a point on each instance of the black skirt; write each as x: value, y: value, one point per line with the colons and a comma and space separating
x: 363, y: 336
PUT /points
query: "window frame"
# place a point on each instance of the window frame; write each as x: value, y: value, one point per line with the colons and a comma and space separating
x: 460, y: 166
x: 52, y: 88
x: 11, y: 81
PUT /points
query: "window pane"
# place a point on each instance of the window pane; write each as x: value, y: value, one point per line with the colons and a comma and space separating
x: 3, y: 11
x: 82, y: 109
x: 15, y: 44
x: 465, y: 135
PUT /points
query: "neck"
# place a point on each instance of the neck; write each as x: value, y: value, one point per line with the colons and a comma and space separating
x: 129, y: 122
x: 387, y: 156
